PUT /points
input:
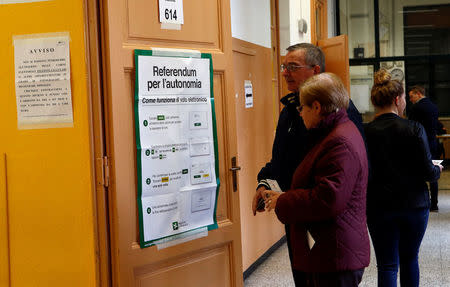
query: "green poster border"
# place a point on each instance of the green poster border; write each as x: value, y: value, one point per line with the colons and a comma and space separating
x: 137, y: 53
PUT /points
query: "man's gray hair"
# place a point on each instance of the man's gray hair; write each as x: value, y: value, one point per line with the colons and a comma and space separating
x: 313, y: 54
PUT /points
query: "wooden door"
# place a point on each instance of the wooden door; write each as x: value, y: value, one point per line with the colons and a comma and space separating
x: 47, y: 227
x: 214, y: 260
x: 336, y: 57
x: 319, y: 26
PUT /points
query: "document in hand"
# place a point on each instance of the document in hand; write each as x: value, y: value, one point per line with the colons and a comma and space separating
x: 273, y: 185
x: 311, y: 240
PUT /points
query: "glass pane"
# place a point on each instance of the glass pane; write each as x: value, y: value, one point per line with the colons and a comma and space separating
x: 357, y: 21
x: 418, y: 72
x: 397, y: 70
x: 408, y: 29
x: 432, y: 74
x: 361, y: 82
x: 389, y: 23
x: 440, y: 92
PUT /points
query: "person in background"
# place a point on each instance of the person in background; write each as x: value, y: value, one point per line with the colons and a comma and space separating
x: 325, y: 207
x: 426, y: 113
x: 397, y: 195
x: 302, y: 61
x: 441, y: 130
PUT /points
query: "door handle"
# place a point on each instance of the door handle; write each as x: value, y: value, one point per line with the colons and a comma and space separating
x: 234, y: 169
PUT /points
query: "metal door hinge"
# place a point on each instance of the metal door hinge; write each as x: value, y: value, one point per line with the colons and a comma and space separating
x: 102, y: 171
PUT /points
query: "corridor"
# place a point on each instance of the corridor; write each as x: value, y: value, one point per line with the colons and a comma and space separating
x: 434, y: 257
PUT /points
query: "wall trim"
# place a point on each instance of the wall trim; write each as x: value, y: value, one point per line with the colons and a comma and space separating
x: 264, y: 257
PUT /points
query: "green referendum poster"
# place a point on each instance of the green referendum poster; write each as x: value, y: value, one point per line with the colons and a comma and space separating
x: 176, y: 145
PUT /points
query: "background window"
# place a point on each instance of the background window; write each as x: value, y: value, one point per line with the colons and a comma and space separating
x: 409, y: 38
x: 357, y: 21
x: 426, y: 30
x: 361, y: 82
x: 434, y: 75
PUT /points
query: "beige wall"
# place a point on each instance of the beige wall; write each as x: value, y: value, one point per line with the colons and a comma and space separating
x: 255, y: 132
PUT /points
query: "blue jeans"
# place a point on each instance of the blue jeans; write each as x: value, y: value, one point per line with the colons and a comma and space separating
x: 396, y: 238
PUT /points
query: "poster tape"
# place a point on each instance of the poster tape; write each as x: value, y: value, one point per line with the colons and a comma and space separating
x: 181, y: 238
x: 19, y: 1
x: 168, y: 52
x: 42, y: 35
x: 170, y: 26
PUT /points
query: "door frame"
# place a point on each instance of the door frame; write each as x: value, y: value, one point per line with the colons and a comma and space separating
x: 323, y: 9
x: 99, y: 158
x: 107, y: 239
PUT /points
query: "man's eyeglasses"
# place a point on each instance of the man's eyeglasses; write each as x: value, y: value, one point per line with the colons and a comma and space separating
x: 299, y: 108
x: 293, y: 67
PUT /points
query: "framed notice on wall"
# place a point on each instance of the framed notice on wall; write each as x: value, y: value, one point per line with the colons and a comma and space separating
x: 176, y: 144
x: 42, y: 77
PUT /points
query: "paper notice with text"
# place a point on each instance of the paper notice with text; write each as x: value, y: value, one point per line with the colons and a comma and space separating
x: 42, y: 79
x: 175, y: 141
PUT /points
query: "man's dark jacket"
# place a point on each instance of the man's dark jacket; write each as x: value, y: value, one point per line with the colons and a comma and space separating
x: 291, y: 142
x: 426, y: 113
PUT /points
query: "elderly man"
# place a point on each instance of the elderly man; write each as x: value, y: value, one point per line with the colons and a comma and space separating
x: 291, y: 144
x: 426, y: 113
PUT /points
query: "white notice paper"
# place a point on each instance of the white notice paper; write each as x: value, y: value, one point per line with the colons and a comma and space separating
x: 42, y: 76
x: 175, y: 145
x: 248, y: 90
x: 311, y: 240
x: 171, y: 11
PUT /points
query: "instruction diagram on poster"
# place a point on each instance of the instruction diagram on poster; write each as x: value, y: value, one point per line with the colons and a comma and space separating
x: 42, y: 76
x: 175, y: 137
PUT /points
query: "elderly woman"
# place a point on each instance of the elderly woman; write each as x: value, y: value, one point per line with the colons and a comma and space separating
x: 398, y: 201
x: 326, y: 205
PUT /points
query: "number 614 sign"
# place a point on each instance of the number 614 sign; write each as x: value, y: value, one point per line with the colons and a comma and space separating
x: 171, y: 11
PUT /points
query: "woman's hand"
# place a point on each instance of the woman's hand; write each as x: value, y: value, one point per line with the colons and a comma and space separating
x: 270, y: 199
x: 255, y: 203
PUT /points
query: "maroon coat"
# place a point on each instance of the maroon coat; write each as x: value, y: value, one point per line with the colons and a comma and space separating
x: 328, y: 198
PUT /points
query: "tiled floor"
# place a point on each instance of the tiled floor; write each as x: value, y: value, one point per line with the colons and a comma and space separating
x: 434, y: 257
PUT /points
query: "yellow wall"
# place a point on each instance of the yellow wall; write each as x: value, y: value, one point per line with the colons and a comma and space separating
x: 46, y: 197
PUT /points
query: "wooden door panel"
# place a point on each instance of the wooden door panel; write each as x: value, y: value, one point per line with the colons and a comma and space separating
x: 4, y: 225
x: 223, y: 200
x: 202, y: 26
x: 336, y: 57
x: 169, y: 272
x: 207, y: 28
x: 129, y: 160
x: 33, y: 215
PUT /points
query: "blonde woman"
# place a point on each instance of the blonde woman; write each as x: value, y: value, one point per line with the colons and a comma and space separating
x: 397, y: 196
